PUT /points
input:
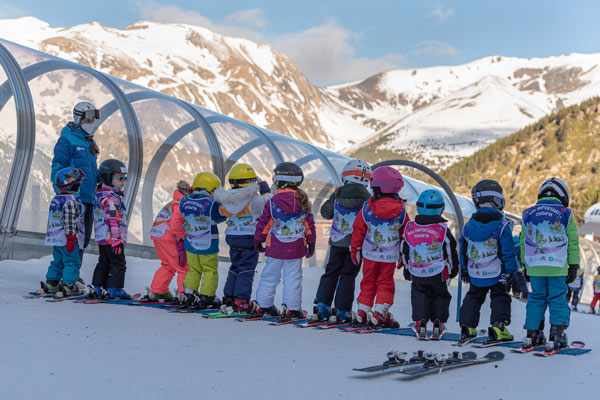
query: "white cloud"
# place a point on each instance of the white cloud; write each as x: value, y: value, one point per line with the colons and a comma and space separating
x: 253, y: 18
x: 325, y: 54
x: 9, y: 11
x: 435, y: 48
x: 441, y: 13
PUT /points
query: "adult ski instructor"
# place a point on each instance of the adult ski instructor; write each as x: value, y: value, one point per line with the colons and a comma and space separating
x: 76, y: 148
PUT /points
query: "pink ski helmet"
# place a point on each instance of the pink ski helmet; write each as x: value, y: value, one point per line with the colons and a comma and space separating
x: 387, y: 179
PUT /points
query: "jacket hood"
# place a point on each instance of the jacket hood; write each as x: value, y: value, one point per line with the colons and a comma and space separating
x: 287, y: 201
x: 106, y: 188
x: 429, y: 219
x: 386, y: 207
x: 235, y: 200
x: 483, y: 223
x: 177, y: 195
x: 199, y: 194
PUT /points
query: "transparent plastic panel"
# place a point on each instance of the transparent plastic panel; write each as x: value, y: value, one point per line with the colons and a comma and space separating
x: 26, y: 56
x: 8, y: 132
x: 54, y: 95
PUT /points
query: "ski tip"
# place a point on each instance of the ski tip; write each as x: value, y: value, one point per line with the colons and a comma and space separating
x: 469, y: 355
x: 494, y: 355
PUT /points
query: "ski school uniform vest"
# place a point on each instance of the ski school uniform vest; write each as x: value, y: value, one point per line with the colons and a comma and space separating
x: 382, y: 241
x: 426, y: 244
x: 343, y: 219
x: 597, y: 284
x: 546, y: 241
x: 483, y: 258
x: 577, y: 283
x: 160, y: 225
x: 242, y: 223
x: 101, y: 229
x: 55, y: 233
x: 287, y: 228
x: 198, y: 221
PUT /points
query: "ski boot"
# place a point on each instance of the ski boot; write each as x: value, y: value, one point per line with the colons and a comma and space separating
x: 574, y: 308
x: 208, y: 302
x: 240, y: 305
x: 558, y: 338
x: 535, y: 338
x: 96, y: 292
x: 257, y: 310
x: 361, y: 316
x: 592, y: 311
x: 439, y: 328
x: 48, y: 287
x: 467, y: 335
x: 118, y: 293
x: 322, y: 311
x: 499, y: 333
x: 341, y: 316
x: 384, y: 320
x: 421, y: 329
x: 69, y: 290
x: 287, y: 314
x: 81, y: 283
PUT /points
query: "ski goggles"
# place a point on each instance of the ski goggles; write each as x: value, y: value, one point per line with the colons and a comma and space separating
x: 88, y: 114
x: 121, y: 178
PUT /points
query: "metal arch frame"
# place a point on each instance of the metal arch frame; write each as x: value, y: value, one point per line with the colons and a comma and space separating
x: 451, y: 196
x: 25, y: 141
x: 134, y: 133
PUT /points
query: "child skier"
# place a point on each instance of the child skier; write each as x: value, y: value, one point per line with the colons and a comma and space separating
x: 287, y: 225
x: 110, y: 220
x: 340, y: 272
x: 430, y: 259
x: 487, y: 258
x: 550, y: 249
x: 574, y: 288
x: 201, y: 214
x: 243, y: 205
x: 596, y: 292
x: 376, y: 234
x: 65, y: 233
x: 168, y: 235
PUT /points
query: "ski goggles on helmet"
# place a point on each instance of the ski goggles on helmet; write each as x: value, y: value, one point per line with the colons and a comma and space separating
x: 88, y: 114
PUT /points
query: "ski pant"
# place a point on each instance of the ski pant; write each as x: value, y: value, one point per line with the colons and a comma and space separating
x: 547, y: 292
x: 575, y: 293
x: 205, y: 268
x: 377, y: 282
x: 292, y: 283
x: 430, y: 299
x: 339, y: 278
x: 474, y: 299
x: 110, y: 270
x: 166, y: 250
x: 88, y: 222
x: 521, y: 283
x: 241, y: 273
x: 65, y: 265
x: 595, y: 300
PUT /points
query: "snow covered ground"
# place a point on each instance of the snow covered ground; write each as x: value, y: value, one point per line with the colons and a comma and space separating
x: 101, y: 351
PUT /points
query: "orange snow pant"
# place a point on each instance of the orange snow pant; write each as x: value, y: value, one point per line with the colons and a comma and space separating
x: 169, y: 265
x: 377, y: 282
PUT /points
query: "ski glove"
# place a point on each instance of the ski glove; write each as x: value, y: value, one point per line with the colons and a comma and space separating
x: 572, y: 272
x: 310, y: 250
x: 526, y: 275
x: 356, y: 255
x: 506, y: 278
x: 464, y: 276
x: 71, y: 239
x: 181, y: 251
x: 454, y: 272
x: 406, y: 274
x: 117, y: 247
x: 258, y: 246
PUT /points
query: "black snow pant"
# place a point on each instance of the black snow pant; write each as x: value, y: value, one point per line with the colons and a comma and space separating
x: 110, y: 270
x: 339, y: 277
x: 430, y: 299
x: 500, y: 304
x: 88, y: 222
x: 575, y: 297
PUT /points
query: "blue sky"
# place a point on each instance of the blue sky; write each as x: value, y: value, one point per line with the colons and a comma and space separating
x: 341, y: 41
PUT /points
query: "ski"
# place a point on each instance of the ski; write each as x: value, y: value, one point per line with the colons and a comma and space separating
x: 312, y: 323
x: 222, y: 315
x: 576, y: 345
x: 288, y: 321
x: 523, y: 350
x: 437, y: 364
x: 339, y: 325
x: 56, y: 299
x: 254, y: 317
x: 396, y: 359
x: 492, y: 343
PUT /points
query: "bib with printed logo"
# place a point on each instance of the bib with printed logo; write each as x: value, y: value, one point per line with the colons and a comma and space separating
x: 197, y: 226
x: 55, y: 232
x: 577, y: 283
x: 426, y: 243
x: 382, y: 241
x: 160, y: 225
x: 546, y: 241
x: 343, y: 219
x: 482, y: 257
x: 597, y: 284
x: 242, y: 223
x: 287, y: 228
x: 101, y: 229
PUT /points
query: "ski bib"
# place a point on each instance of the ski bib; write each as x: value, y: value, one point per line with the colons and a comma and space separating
x: 483, y: 260
x: 101, y: 228
x: 196, y: 213
x: 55, y: 232
x: 242, y: 223
x: 287, y: 228
x: 160, y: 225
x: 546, y: 241
x: 426, y: 257
x: 577, y: 283
x: 343, y: 219
x: 597, y: 284
x: 382, y: 241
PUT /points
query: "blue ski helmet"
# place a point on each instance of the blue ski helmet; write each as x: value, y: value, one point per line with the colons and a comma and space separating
x: 67, y: 178
x: 430, y: 202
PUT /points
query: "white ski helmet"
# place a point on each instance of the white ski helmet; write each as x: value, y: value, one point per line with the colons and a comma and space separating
x: 85, y: 110
x: 555, y: 187
x: 356, y: 171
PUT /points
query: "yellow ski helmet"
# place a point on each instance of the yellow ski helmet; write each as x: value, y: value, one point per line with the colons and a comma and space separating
x: 207, y: 181
x: 241, y: 175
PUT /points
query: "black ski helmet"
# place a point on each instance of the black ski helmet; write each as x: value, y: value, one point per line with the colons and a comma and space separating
x: 488, y: 191
x: 555, y: 187
x: 108, y: 168
x: 288, y: 174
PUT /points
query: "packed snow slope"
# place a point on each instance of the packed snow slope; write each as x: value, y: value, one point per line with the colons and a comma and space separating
x: 102, y: 351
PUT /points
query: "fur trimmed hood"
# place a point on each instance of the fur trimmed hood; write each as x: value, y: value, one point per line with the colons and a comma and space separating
x: 235, y: 200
